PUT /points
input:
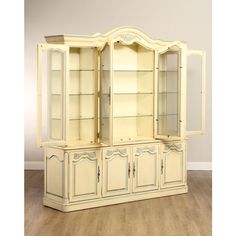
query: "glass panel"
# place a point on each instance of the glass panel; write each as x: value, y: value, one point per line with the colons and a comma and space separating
x: 132, y: 93
x: 53, y: 72
x: 168, y: 94
x: 82, y: 95
x: 105, y: 96
x: 194, y: 95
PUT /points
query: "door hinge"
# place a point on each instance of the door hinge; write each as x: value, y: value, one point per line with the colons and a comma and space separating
x: 98, y: 135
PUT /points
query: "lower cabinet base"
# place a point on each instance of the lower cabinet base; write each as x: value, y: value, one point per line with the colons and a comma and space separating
x: 111, y: 200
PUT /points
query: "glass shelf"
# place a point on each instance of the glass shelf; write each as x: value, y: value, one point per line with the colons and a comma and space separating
x: 82, y: 118
x: 172, y: 71
x: 129, y: 70
x: 133, y: 93
x: 82, y: 69
x: 161, y: 93
x: 167, y: 114
x: 133, y: 116
x: 81, y: 94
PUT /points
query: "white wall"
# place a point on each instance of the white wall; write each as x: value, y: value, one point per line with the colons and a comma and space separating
x: 184, y: 20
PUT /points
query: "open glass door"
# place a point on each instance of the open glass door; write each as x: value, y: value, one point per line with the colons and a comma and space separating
x: 195, y: 123
x: 52, y: 73
x: 169, y: 114
x: 105, y: 96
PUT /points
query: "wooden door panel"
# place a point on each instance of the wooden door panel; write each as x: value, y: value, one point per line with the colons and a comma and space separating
x: 145, y: 168
x: 84, y: 175
x: 116, y: 171
x: 173, y: 165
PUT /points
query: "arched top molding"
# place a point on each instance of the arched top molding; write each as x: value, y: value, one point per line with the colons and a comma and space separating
x: 126, y: 35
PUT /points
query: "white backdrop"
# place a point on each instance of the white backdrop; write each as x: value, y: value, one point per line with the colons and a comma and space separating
x: 184, y: 20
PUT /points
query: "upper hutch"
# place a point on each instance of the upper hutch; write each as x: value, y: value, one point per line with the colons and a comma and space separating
x: 112, y: 116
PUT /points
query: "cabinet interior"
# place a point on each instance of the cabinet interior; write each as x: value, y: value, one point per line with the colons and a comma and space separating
x: 82, y: 94
x: 133, y: 90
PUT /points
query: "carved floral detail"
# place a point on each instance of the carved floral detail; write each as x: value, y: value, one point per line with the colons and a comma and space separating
x: 120, y: 152
x: 177, y: 147
x: 141, y: 150
x: 89, y: 155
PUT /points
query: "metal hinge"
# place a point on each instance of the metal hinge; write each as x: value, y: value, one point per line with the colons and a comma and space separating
x: 98, y: 135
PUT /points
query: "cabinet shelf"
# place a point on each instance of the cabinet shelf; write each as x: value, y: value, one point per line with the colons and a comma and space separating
x: 133, y: 116
x: 82, y: 118
x: 81, y: 94
x: 168, y: 114
x: 161, y: 93
x: 168, y: 71
x: 83, y: 70
x: 132, y: 71
x: 133, y: 93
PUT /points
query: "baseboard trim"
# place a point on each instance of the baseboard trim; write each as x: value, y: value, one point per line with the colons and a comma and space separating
x: 38, y: 165
x: 199, y: 166
x: 34, y: 165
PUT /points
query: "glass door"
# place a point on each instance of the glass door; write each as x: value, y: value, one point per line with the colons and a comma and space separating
x: 196, y: 73
x: 133, y: 92
x: 169, y: 94
x: 105, y: 96
x: 52, y: 74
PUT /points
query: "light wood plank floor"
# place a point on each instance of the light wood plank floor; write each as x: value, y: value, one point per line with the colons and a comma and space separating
x: 180, y: 215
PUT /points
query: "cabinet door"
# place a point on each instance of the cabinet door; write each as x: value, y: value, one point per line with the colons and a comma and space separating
x: 170, y: 93
x: 145, y: 168
x: 52, y: 77
x: 116, y: 171
x: 173, y: 165
x: 85, y: 175
x: 196, y: 74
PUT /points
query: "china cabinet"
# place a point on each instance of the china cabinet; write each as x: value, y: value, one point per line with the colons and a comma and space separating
x: 113, y: 116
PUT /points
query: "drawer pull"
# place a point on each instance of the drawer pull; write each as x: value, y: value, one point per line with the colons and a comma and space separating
x: 98, y: 174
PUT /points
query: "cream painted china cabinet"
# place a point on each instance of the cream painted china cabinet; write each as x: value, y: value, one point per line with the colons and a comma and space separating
x: 113, y: 117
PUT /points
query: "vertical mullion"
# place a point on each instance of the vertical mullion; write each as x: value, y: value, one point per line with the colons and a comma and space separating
x: 49, y: 105
x: 96, y: 101
x: 66, y: 96
x: 155, y: 94
x: 111, y: 94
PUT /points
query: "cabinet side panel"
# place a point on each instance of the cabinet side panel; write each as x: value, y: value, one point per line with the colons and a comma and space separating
x: 54, y: 172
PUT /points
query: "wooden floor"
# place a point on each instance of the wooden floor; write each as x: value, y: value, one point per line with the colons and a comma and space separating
x: 180, y: 215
